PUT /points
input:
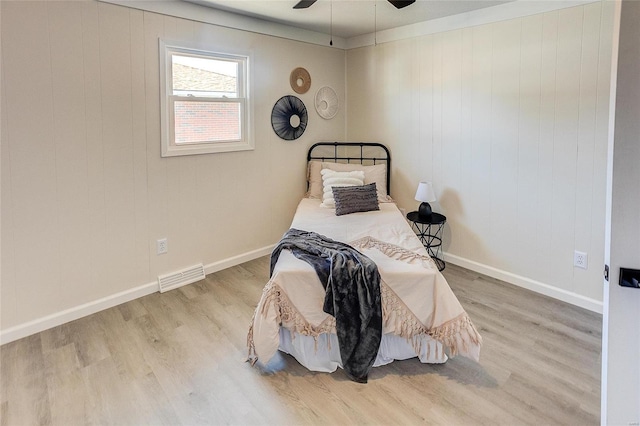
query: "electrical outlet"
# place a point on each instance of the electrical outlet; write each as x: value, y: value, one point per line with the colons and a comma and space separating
x: 580, y: 259
x: 162, y: 246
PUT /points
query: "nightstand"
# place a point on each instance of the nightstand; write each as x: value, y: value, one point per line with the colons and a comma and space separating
x: 429, y: 230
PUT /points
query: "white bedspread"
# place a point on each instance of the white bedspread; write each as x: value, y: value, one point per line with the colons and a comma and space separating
x: 421, y: 315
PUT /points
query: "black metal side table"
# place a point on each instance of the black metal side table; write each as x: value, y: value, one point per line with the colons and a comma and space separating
x: 429, y: 230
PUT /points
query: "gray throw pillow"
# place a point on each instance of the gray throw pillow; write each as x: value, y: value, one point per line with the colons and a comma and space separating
x: 353, y: 199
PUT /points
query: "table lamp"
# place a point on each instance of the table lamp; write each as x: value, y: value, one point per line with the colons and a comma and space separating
x: 426, y: 195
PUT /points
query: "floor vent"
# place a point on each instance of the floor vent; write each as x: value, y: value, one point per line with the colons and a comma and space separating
x: 180, y: 278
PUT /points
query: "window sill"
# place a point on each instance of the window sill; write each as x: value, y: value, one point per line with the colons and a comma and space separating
x: 196, y: 149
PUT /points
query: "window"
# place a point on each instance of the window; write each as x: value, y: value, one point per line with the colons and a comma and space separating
x: 204, y: 101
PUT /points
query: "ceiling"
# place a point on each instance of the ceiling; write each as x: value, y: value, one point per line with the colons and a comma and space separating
x: 350, y: 17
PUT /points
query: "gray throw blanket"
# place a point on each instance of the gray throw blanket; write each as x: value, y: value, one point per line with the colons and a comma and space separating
x: 352, y: 284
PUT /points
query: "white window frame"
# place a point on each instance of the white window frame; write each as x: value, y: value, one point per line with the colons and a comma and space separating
x: 167, y: 100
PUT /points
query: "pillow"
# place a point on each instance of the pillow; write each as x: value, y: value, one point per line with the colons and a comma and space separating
x: 356, y: 199
x: 314, y: 179
x: 332, y: 178
x: 376, y: 173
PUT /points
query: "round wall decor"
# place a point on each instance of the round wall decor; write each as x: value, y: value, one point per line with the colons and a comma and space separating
x: 300, y: 80
x: 289, y: 118
x: 326, y: 102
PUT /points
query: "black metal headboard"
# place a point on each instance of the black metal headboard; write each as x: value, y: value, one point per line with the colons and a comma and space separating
x: 367, y: 153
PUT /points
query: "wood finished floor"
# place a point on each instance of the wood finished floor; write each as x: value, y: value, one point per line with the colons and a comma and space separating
x: 178, y: 358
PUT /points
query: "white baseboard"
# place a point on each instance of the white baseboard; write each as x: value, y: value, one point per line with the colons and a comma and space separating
x: 71, y: 314
x: 520, y: 281
x: 237, y: 260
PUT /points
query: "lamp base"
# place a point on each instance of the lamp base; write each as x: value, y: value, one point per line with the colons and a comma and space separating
x: 424, y: 211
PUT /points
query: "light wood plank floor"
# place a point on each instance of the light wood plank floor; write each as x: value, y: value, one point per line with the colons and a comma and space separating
x: 178, y: 358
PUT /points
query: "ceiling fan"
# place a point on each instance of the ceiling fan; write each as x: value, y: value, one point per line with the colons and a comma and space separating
x: 399, y: 4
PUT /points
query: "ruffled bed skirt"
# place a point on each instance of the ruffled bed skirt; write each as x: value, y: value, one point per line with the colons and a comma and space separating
x: 322, y: 353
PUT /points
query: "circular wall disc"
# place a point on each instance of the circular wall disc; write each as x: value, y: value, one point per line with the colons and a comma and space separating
x: 300, y: 80
x: 326, y: 102
x: 289, y: 118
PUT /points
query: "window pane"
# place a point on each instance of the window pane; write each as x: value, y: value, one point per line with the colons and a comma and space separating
x: 197, y: 76
x: 206, y: 122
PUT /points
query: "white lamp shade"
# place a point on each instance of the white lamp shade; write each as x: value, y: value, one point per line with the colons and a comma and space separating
x: 425, y: 192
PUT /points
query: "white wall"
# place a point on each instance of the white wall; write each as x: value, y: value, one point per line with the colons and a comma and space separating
x: 85, y: 193
x: 509, y: 120
x: 621, y: 334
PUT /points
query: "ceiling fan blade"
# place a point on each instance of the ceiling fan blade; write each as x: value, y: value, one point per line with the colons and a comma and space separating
x: 399, y: 4
x: 303, y: 4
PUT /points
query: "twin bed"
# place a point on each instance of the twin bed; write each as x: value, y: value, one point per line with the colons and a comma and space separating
x: 421, y: 317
